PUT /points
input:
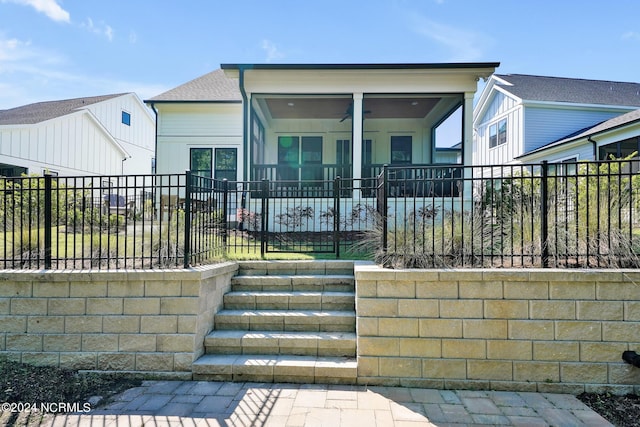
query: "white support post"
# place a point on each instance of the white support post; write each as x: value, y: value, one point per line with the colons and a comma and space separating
x: 357, y: 142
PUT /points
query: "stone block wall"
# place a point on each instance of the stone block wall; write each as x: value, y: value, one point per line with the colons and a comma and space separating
x: 527, y: 330
x: 143, y: 321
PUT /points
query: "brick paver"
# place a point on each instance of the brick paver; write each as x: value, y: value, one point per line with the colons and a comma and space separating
x: 251, y: 404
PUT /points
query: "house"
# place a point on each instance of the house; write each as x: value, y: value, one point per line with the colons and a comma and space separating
x: 618, y: 137
x: 301, y: 122
x: 98, y: 135
x: 517, y: 115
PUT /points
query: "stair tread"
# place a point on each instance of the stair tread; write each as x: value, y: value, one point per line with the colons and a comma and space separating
x: 285, y: 312
x: 325, y: 277
x: 266, y: 360
x: 291, y: 293
x: 281, y: 334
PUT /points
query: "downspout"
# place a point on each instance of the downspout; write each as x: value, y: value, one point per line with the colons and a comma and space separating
x: 595, y: 148
x: 245, y: 139
x: 155, y: 149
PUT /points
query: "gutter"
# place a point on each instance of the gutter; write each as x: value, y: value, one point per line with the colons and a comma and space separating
x: 155, y: 149
x: 595, y: 147
x: 245, y: 125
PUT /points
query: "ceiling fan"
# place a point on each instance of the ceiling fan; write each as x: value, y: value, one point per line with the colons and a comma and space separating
x: 349, y: 113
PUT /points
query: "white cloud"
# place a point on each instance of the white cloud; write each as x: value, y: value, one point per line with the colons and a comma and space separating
x: 133, y: 37
x: 273, y: 53
x: 100, y: 29
x: 463, y: 45
x: 51, y: 8
x: 29, y: 74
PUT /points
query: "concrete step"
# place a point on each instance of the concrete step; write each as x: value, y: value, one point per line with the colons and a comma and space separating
x: 315, y: 283
x: 277, y: 343
x: 289, y: 300
x: 300, y: 267
x: 286, y: 320
x: 278, y: 368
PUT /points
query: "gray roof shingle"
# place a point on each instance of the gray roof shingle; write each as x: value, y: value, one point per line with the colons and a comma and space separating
x: 575, y: 91
x: 41, y: 111
x: 213, y: 87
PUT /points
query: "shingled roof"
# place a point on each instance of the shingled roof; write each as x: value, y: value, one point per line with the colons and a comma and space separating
x: 212, y: 87
x: 41, y: 111
x: 575, y: 91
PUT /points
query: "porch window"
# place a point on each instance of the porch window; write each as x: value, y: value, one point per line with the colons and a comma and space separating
x: 300, y: 153
x: 619, y: 149
x: 312, y: 158
x: 288, y: 158
x: 343, y: 158
x: 226, y: 166
x: 401, y: 150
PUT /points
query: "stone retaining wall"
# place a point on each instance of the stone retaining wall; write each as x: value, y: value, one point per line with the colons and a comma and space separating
x: 528, y: 330
x: 143, y: 321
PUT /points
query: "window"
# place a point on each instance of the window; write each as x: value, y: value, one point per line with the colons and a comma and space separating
x: 299, y: 153
x: 564, y: 167
x: 312, y: 158
x: 200, y: 162
x: 226, y: 164
x: 343, y: 158
x: 401, y: 150
x: 619, y: 149
x: 126, y: 118
x: 498, y: 133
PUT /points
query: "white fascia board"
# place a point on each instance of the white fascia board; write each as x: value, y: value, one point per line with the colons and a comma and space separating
x: 359, y: 81
x: 542, y: 153
x: 483, y: 103
x: 110, y: 137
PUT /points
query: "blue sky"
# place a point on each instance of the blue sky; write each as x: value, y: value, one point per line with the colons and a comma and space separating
x: 58, y: 49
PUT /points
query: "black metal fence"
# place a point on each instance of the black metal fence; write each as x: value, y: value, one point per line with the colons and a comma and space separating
x: 139, y: 222
x: 570, y: 214
x: 575, y: 214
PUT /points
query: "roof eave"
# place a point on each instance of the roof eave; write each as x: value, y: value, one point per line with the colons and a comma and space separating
x: 361, y: 66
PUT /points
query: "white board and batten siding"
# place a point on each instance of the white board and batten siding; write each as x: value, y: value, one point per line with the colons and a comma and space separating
x: 137, y: 138
x: 500, y: 107
x: 68, y: 145
x: 203, y: 125
x: 88, y: 141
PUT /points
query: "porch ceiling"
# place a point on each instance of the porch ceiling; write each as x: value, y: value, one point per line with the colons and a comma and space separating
x: 336, y: 108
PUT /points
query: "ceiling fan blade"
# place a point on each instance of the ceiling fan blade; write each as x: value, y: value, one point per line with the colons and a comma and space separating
x: 345, y: 118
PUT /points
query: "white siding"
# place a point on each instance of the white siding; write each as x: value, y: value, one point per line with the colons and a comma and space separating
x: 84, y: 142
x: 501, y: 107
x: 185, y: 126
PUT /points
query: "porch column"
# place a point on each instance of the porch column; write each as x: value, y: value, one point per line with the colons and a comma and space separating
x: 357, y: 142
x: 467, y: 150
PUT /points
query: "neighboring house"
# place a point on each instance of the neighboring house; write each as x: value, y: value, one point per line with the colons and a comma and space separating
x: 516, y: 115
x: 99, y: 135
x: 618, y: 137
x: 315, y: 121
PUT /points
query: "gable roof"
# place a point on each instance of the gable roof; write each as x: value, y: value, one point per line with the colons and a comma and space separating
x: 607, y: 125
x: 575, y: 91
x: 41, y: 111
x: 212, y: 87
